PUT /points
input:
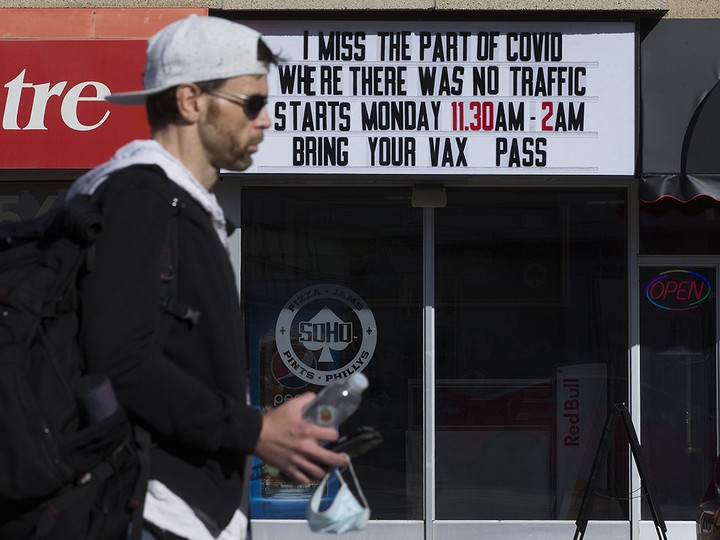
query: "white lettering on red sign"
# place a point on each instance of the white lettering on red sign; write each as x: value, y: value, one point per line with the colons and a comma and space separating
x: 41, y: 95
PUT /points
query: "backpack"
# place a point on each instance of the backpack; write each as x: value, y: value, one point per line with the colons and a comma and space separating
x: 64, y: 474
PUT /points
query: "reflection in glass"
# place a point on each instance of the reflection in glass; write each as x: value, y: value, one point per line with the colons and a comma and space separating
x: 531, y: 350
x: 21, y: 202
x: 668, y: 227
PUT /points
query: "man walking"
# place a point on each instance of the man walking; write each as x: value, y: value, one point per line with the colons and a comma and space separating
x: 205, y: 91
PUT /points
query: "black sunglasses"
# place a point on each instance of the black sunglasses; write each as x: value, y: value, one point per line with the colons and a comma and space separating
x: 253, y: 105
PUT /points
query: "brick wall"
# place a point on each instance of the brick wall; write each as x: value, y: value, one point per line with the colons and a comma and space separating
x: 65, y: 23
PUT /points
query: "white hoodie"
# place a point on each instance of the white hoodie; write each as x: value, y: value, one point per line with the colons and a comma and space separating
x: 150, y: 152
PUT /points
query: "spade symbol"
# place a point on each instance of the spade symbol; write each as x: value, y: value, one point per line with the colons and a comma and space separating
x: 327, y: 334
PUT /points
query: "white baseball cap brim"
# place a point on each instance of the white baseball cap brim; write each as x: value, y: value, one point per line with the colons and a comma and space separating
x: 196, y: 49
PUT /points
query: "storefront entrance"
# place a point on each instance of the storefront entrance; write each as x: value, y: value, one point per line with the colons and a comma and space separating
x: 493, y: 330
x: 678, y: 373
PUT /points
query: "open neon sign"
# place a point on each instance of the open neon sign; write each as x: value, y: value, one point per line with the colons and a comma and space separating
x: 678, y: 290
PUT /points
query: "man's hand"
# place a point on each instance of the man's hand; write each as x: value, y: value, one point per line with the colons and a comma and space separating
x: 293, y: 446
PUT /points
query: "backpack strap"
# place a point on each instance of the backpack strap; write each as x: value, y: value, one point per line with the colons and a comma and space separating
x: 169, y: 302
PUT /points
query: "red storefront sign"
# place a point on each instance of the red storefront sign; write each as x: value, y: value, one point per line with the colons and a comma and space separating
x: 53, y: 114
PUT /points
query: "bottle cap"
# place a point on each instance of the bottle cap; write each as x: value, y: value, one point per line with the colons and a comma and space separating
x: 358, y: 382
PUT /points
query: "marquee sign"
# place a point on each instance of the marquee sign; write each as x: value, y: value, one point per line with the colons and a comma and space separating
x: 450, y: 97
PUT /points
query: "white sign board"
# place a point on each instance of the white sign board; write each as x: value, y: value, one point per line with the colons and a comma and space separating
x: 490, y: 98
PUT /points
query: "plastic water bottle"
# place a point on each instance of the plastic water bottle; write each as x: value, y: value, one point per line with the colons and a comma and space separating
x: 336, y: 402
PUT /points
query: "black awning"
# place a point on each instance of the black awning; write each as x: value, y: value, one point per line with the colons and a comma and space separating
x: 680, y: 72
x: 681, y: 188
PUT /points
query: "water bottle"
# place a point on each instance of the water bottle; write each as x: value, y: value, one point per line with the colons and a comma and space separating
x: 336, y: 402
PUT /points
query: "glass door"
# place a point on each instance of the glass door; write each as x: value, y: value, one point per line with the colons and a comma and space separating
x: 678, y: 359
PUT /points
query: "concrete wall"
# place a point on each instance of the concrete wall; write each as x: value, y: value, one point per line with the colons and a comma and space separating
x: 666, y: 8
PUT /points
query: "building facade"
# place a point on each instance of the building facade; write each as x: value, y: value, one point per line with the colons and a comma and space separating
x: 503, y: 213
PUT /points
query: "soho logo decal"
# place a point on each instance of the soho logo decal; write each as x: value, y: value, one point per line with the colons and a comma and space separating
x: 334, y: 324
x: 678, y: 290
x: 42, y: 94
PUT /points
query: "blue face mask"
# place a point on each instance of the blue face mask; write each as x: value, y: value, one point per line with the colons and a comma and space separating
x: 344, y: 514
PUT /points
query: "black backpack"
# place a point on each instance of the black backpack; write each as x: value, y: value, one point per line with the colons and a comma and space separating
x: 61, y: 476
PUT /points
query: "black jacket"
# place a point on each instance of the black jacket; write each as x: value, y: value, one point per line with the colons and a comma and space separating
x: 190, y: 391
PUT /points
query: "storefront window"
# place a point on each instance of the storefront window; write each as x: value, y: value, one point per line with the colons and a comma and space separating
x: 669, y: 227
x: 678, y: 339
x: 531, y: 340
x: 22, y: 202
x: 678, y: 352
x: 531, y: 351
x: 332, y: 283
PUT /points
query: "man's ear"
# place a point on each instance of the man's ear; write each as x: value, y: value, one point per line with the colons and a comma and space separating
x: 188, y: 100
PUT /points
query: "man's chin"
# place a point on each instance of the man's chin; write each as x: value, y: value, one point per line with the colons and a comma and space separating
x: 239, y: 165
